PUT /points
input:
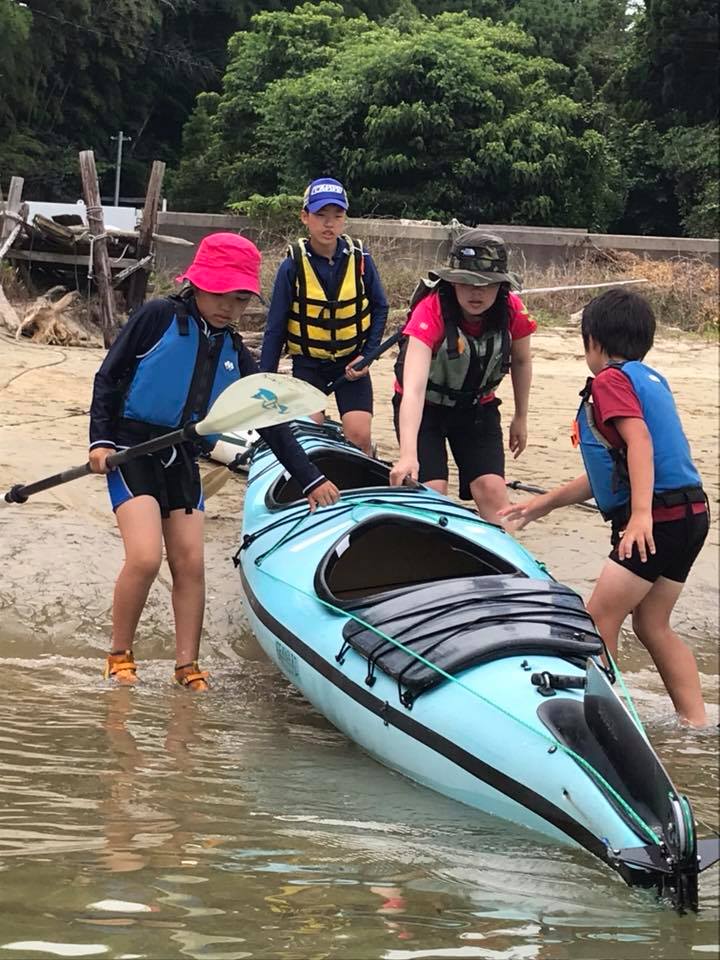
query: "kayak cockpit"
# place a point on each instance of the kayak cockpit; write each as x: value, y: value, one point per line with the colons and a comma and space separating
x: 397, y: 552
x: 347, y: 469
x: 423, y: 591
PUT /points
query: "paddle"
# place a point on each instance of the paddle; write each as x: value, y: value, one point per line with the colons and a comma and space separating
x: 529, y: 488
x: 366, y: 361
x: 260, y: 400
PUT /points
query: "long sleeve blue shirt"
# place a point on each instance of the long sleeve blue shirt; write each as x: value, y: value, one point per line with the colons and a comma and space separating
x: 329, y: 273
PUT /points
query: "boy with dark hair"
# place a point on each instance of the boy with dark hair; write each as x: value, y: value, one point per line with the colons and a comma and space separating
x: 639, y: 469
x: 329, y: 308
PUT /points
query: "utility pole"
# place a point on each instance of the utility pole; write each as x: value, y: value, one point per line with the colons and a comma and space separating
x: 121, y: 138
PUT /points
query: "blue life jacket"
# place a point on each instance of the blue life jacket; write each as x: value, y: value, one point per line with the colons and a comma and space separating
x: 677, y: 480
x: 181, y: 376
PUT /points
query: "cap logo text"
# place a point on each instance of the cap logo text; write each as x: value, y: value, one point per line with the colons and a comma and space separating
x: 327, y: 188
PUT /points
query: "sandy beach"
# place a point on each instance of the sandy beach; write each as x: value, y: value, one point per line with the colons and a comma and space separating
x: 60, y: 552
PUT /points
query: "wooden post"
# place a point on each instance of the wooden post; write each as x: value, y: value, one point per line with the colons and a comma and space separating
x: 12, y: 205
x: 100, y: 258
x: 137, y: 288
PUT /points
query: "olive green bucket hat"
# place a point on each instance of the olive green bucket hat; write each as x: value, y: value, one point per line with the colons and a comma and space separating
x: 478, y: 259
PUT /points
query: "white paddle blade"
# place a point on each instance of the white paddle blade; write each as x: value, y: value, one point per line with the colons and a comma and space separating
x: 261, y: 400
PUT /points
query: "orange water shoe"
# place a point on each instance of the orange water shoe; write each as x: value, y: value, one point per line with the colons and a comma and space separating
x: 121, y: 668
x: 190, y: 676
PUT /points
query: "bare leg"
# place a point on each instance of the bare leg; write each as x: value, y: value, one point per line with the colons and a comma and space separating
x: 318, y: 417
x: 357, y: 427
x: 183, y: 534
x: 440, y: 485
x: 139, y: 523
x: 674, y: 660
x: 617, y: 592
x: 490, y: 495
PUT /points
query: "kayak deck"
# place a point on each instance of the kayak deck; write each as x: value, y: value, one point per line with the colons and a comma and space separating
x: 466, y: 623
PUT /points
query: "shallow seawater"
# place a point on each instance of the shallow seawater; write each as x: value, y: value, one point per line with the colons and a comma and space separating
x: 148, y: 823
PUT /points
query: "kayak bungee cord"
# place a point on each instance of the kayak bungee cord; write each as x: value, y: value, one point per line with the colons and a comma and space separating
x: 556, y: 744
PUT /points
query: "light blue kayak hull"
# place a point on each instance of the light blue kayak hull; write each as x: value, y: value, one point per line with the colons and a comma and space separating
x: 478, y: 738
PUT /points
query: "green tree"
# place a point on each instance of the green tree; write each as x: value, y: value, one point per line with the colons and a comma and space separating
x: 664, y: 99
x: 446, y: 117
x: 89, y: 69
x: 677, y: 66
x: 690, y: 156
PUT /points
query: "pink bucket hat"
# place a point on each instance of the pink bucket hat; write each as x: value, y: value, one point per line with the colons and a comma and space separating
x: 225, y: 262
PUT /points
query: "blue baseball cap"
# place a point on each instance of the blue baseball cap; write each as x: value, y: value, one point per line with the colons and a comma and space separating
x: 322, y: 192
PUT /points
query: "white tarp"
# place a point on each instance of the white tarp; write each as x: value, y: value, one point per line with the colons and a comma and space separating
x: 125, y: 218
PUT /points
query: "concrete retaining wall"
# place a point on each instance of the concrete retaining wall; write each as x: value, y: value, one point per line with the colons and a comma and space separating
x: 424, y: 244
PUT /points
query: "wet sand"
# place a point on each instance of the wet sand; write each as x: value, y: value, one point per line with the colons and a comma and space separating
x: 60, y: 552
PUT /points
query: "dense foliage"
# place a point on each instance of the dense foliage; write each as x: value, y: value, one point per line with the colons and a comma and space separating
x: 450, y: 116
x: 592, y: 113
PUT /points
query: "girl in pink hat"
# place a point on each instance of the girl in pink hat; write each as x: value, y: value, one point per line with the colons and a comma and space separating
x: 168, y: 365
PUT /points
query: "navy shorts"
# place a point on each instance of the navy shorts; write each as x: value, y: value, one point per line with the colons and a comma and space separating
x: 475, y: 437
x: 175, y: 486
x: 677, y: 545
x: 351, y: 395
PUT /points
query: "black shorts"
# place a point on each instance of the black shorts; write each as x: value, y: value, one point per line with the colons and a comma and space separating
x: 475, y: 437
x: 176, y: 486
x: 351, y: 395
x: 677, y: 544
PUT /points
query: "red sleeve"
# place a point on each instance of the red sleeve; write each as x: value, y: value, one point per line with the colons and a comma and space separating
x: 426, y: 322
x: 520, y: 323
x: 613, y: 396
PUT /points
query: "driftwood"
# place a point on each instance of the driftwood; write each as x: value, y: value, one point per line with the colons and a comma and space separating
x: 12, y: 205
x: 53, y: 231
x: 122, y: 234
x: 10, y: 239
x: 46, y: 322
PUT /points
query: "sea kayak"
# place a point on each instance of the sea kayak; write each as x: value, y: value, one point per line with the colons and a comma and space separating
x: 447, y: 652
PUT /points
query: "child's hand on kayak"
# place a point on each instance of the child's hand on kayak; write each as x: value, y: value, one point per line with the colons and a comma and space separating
x: 405, y: 467
x: 523, y: 513
x: 97, y: 458
x: 324, y: 495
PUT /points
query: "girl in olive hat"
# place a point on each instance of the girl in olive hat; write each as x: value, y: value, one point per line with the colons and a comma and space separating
x: 466, y: 330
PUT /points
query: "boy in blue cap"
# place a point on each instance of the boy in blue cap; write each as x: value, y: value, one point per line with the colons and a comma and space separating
x: 328, y: 308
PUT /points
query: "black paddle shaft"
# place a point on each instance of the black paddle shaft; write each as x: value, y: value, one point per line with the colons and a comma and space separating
x: 20, y: 492
x: 529, y: 488
x: 366, y: 361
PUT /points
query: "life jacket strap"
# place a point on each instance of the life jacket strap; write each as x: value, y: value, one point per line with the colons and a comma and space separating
x: 297, y: 252
x: 356, y: 252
